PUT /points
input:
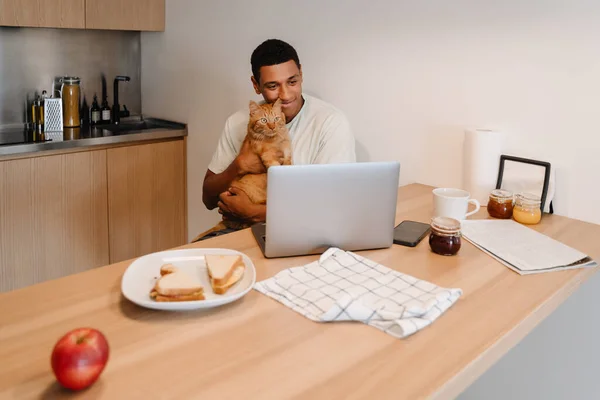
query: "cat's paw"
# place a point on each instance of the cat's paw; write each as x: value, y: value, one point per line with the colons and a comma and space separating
x: 272, y: 164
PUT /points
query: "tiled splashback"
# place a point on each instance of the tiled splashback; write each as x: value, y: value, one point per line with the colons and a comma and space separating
x: 30, y: 59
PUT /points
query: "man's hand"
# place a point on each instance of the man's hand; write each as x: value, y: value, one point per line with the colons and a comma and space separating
x: 235, y: 204
x: 248, y: 162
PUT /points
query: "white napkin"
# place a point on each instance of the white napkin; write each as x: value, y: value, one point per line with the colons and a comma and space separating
x: 343, y: 286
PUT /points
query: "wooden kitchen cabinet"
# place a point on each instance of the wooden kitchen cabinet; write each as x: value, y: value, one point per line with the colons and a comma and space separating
x: 146, y: 198
x: 135, y: 15
x: 43, y: 13
x: 53, y: 217
x: 65, y: 213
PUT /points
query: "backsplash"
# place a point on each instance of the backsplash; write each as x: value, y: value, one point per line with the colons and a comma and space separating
x: 31, y: 58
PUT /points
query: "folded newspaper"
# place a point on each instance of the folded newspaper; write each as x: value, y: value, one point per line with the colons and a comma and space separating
x: 521, y: 248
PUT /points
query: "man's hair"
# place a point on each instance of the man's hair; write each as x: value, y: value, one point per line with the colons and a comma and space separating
x: 272, y: 52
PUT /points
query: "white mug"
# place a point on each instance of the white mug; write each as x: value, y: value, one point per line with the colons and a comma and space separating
x: 453, y: 203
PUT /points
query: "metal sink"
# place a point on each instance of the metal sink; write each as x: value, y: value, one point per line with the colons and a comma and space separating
x: 138, y: 124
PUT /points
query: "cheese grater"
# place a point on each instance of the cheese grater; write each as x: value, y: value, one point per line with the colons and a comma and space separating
x: 53, y: 115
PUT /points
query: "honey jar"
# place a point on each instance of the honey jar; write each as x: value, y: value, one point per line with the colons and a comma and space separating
x: 500, y: 204
x: 445, y: 236
x: 527, y: 209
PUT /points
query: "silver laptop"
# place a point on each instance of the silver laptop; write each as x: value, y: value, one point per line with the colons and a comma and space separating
x: 310, y: 208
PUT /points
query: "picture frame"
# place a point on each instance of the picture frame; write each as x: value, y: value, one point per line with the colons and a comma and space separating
x: 547, y: 168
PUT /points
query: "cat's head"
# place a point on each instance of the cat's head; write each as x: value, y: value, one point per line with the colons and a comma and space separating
x: 266, y: 120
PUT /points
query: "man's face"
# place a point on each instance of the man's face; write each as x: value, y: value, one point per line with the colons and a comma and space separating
x: 281, y: 81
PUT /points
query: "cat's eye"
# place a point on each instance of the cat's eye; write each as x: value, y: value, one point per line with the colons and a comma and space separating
x: 277, y: 118
x: 263, y: 120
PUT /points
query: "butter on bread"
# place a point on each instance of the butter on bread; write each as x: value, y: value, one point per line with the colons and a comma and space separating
x: 176, y: 285
x: 224, y: 270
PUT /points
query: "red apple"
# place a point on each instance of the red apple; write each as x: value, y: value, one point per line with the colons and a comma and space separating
x: 79, y: 357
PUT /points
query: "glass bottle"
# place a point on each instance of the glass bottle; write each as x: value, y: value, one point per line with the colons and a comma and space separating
x: 105, y: 112
x: 96, y: 113
x: 34, y: 111
x: 70, y: 97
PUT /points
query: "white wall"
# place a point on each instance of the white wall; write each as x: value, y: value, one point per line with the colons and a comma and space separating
x: 409, y: 75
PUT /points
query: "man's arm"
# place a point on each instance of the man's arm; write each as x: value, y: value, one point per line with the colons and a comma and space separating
x: 215, y: 184
x: 236, y: 204
x: 247, y: 162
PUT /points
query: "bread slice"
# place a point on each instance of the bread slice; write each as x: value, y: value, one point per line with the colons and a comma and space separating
x: 221, y: 267
x: 168, y: 269
x: 187, y: 297
x: 235, y: 277
x: 178, y: 283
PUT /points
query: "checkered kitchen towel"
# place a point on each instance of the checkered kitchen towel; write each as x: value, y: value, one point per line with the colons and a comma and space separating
x: 343, y: 286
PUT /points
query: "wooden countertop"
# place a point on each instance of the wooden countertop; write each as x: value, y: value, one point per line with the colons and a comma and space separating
x: 258, y: 348
x: 89, y: 141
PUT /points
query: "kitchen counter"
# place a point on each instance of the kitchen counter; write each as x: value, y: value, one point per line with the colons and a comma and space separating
x: 258, y: 348
x: 130, y: 130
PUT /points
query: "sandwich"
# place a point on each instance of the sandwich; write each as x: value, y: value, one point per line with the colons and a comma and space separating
x: 176, y: 285
x: 224, y: 271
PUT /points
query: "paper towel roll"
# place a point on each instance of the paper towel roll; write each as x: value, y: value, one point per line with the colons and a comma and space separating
x: 481, y: 158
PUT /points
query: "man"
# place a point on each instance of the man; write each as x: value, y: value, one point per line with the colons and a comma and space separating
x: 320, y: 133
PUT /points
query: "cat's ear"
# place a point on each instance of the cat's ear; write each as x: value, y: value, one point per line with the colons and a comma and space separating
x: 277, y: 104
x: 254, y: 107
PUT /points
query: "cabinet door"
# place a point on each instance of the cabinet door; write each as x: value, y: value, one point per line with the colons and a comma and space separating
x: 43, y: 13
x: 53, y: 217
x: 134, y: 15
x: 146, y: 199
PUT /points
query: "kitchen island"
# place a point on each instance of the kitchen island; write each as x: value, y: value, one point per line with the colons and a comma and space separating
x: 258, y: 348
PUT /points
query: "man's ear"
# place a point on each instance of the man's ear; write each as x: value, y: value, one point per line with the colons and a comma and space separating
x: 255, y: 84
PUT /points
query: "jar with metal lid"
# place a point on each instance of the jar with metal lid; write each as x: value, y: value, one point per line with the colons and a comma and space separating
x: 500, y: 204
x: 527, y: 209
x: 445, y: 236
x: 70, y: 93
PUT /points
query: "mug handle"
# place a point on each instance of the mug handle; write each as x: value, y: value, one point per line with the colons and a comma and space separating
x: 477, y: 207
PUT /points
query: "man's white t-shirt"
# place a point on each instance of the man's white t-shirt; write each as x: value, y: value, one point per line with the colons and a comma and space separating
x: 320, y: 134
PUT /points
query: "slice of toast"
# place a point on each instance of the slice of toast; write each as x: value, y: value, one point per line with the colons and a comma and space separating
x: 168, y: 269
x: 221, y: 266
x: 174, y: 282
x: 235, y: 277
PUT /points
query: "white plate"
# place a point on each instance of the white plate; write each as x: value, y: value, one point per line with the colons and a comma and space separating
x: 140, y: 277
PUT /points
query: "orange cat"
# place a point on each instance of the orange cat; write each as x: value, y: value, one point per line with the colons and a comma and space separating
x: 269, y: 138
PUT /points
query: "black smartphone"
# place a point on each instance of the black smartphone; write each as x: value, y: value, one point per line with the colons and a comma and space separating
x: 410, y: 233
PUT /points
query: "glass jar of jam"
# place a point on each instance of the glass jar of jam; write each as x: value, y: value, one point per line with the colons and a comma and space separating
x: 500, y: 204
x: 445, y: 236
x: 527, y: 209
